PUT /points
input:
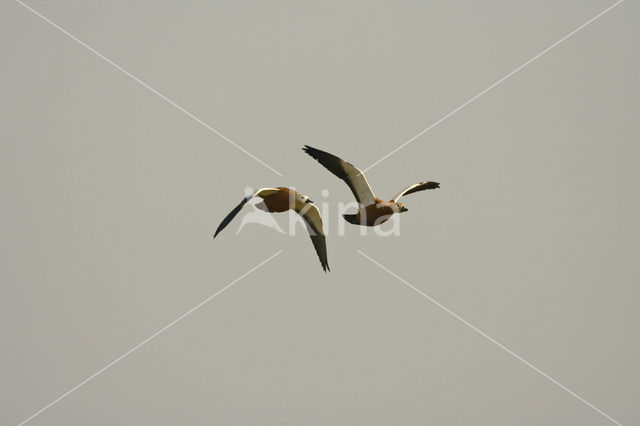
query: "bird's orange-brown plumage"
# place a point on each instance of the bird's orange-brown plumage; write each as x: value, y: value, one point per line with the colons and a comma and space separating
x: 281, y: 201
x: 374, y: 214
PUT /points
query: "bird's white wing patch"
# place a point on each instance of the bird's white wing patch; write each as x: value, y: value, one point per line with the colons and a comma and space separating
x: 313, y: 220
x: 359, y: 185
x: 265, y: 192
x: 401, y: 193
x: 311, y: 215
x: 420, y: 186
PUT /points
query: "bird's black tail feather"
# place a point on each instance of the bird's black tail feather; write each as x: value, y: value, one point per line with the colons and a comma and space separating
x: 351, y: 218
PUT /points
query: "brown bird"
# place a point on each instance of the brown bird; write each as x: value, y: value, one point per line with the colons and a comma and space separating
x: 372, y: 211
x: 278, y: 200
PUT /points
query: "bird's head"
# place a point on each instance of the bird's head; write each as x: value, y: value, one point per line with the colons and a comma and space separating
x: 401, y: 208
x: 304, y: 198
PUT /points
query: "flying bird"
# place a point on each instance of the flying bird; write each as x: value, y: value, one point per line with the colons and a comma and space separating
x: 372, y: 211
x: 278, y: 200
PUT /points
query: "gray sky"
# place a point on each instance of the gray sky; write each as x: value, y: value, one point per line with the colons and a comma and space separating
x: 110, y: 196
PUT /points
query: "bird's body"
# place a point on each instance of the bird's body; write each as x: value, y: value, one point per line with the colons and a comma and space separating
x: 373, y: 214
x: 372, y: 210
x: 280, y: 199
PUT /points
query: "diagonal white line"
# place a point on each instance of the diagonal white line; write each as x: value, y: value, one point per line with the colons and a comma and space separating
x: 163, y: 329
x: 500, y: 345
x: 145, y: 85
x: 493, y: 85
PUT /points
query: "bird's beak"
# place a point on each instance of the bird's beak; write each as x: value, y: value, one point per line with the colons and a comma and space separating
x: 309, y: 201
x: 404, y: 209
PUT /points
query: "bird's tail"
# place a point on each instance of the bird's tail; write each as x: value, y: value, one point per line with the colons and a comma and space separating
x: 351, y: 218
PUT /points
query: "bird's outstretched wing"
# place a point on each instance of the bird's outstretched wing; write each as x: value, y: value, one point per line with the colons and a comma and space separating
x: 347, y: 172
x: 259, y: 193
x: 312, y: 219
x: 415, y: 188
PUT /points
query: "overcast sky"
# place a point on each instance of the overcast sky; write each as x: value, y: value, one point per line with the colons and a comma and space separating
x: 110, y: 195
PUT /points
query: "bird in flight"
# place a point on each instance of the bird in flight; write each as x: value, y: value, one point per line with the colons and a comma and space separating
x: 278, y: 200
x: 372, y: 211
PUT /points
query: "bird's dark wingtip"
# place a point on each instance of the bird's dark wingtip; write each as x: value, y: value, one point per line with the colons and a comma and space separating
x: 311, y: 151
